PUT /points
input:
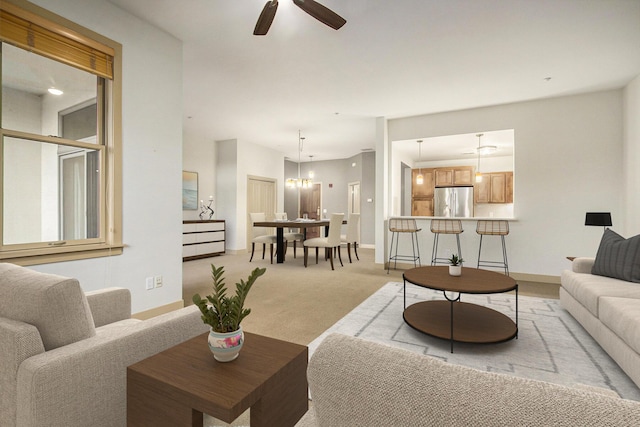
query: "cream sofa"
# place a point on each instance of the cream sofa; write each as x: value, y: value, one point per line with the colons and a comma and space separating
x: 609, y: 309
x: 64, y: 353
x: 360, y: 383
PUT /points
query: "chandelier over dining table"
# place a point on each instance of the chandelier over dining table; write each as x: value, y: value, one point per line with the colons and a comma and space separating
x: 299, y: 182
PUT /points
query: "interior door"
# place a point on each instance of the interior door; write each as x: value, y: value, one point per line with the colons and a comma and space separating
x: 261, y: 197
x: 354, y: 197
x: 311, y: 205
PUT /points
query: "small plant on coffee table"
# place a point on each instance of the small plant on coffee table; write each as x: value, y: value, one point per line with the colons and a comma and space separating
x: 455, y: 260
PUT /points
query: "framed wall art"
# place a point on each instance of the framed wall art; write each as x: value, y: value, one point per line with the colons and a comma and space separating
x: 189, y: 190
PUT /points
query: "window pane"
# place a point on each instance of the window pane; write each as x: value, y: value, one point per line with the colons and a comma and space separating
x: 28, y: 106
x: 51, y: 192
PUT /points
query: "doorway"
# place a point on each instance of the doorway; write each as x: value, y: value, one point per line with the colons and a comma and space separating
x: 311, y: 205
x: 354, y: 197
x: 261, y: 197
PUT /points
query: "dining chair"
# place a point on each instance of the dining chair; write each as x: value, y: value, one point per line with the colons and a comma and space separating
x: 331, y: 242
x: 261, y: 235
x: 353, y: 235
x: 290, y: 236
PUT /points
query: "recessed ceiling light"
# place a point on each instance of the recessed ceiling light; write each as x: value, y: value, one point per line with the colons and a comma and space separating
x: 54, y: 91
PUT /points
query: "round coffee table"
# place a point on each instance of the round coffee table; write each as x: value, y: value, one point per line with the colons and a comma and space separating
x: 453, y: 319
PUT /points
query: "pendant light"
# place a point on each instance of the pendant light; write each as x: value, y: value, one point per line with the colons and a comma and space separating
x: 299, y: 182
x: 311, y: 174
x: 419, y: 178
x: 478, y: 174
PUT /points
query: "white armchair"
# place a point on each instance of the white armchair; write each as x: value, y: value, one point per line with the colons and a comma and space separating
x: 261, y: 235
x: 353, y: 235
x: 290, y: 236
x: 330, y: 243
x: 64, y: 353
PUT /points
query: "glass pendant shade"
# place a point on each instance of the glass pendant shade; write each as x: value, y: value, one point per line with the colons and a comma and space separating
x: 419, y: 179
x: 478, y: 177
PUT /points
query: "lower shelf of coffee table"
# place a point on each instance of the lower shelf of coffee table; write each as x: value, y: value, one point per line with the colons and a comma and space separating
x: 472, y: 323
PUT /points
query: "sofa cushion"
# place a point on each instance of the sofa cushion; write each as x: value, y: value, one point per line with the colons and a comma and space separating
x: 587, y: 289
x: 55, y: 305
x: 618, y: 257
x: 622, y: 316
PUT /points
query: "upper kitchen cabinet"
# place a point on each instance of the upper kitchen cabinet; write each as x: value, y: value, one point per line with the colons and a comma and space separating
x: 495, y: 187
x: 426, y: 188
x: 455, y: 176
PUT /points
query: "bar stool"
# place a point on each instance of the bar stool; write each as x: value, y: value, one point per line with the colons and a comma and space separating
x: 444, y: 226
x: 397, y: 226
x: 493, y: 228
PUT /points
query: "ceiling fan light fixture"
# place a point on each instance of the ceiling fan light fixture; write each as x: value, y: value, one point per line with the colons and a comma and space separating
x: 486, y: 149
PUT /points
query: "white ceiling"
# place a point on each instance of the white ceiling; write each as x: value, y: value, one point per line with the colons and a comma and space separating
x: 391, y: 59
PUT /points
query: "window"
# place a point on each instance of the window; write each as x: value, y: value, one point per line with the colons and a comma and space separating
x: 59, y: 140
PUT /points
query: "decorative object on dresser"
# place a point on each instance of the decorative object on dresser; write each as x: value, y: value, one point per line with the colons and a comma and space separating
x: 206, y: 210
x: 224, y: 313
x: 202, y: 238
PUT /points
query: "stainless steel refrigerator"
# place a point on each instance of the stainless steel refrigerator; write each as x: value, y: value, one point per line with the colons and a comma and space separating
x: 454, y: 202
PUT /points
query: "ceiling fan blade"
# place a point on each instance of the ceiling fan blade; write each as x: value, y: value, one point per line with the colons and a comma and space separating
x: 266, y: 18
x: 321, y: 13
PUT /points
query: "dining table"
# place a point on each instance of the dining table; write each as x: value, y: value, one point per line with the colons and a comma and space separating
x: 302, y: 224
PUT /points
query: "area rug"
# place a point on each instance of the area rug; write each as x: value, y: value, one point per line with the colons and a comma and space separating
x: 551, y: 345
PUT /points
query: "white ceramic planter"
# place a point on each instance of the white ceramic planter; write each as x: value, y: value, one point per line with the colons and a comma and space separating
x: 226, y: 346
x: 455, y: 270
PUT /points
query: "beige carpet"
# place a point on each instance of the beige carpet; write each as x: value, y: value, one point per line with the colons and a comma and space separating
x: 297, y: 304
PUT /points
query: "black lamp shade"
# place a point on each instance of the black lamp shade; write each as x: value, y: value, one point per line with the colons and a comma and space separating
x: 602, y: 219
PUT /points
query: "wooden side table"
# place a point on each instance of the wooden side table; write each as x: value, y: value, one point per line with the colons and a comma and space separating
x: 175, y: 387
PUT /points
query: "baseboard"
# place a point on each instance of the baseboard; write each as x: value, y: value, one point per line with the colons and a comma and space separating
x: 538, y: 278
x: 525, y: 277
x: 148, y: 314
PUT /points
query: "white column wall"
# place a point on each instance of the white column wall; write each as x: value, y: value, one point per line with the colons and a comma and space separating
x: 152, y: 158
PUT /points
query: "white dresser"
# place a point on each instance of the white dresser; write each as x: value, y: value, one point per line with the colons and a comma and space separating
x: 202, y: 238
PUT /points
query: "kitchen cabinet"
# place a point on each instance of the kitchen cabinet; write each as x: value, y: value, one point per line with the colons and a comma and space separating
x: 422, y: 207
x: 424, y: 190
x: 454, y: 176
x: 422, y: 194
x: 202, y: 239
x: 496, y: 187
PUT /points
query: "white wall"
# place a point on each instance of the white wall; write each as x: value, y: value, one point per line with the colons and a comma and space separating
x: 568, y: 161
x: 235, y: 161
x: 632, y: 158
x: 200, y: 156
x: 152, y: 157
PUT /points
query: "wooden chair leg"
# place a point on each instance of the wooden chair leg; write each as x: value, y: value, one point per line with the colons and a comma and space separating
x: 340, y: 257
x: 264, y: 248
x: 349, y: 251
x: 271, y: 250
x: 331, y: 257
x: 253, y: 248
x: 306, y: 255
x: 294, y: 248
x: 316, y: 255
x: 355, y: 250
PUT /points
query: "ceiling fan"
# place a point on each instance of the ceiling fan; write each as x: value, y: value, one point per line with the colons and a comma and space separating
x: 315, y: 9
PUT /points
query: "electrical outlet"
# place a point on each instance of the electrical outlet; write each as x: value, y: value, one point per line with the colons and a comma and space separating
x: 158, y: 281
x: 149, y: 283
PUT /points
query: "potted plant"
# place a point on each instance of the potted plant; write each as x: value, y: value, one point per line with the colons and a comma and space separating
x: 455, y: 265
x: 223, y: 313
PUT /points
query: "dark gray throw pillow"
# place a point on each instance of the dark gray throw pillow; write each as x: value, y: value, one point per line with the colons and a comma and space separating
x: 618, y: 257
